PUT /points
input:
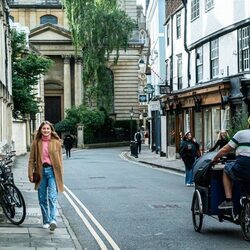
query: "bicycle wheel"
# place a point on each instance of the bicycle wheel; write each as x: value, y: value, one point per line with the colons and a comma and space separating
x: 197, y: 214
x: 13, y: 204
x: 245, y: 221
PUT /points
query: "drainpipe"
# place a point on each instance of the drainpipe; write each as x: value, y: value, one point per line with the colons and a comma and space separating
x: 171, y: 56
x: 185, y: 41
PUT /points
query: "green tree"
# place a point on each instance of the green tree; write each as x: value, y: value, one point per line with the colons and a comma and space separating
x: 27, y: 67
x: 98, y: 28
x: 92, y: 119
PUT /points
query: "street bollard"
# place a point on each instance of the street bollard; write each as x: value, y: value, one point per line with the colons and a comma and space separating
x: 133, y: 149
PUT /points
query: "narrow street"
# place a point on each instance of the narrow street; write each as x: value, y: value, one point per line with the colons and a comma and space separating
x: 115, y: 204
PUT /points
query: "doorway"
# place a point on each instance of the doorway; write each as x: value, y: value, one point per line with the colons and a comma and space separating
x: 53, y: 109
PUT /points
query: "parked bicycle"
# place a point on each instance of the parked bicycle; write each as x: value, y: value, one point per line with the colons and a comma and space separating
x: 11, y: 199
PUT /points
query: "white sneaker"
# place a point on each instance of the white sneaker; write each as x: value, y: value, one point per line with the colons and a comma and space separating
x: 52, y: 225
x: 45, y: 226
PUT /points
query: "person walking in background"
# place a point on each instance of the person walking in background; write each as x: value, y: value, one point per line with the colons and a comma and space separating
x: 223, y: 139
x: 189, y: 152
x: 138, y: 138
x: 46, y: 157
x: 68, y: 144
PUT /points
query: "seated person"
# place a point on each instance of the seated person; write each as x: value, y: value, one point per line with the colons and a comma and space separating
x: 238, y: 169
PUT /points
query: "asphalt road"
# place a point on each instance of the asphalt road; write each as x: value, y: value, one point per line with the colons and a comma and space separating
x: 112, y: 203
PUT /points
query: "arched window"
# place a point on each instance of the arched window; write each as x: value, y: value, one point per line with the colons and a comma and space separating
x: 48, y: 19
x: 142, y: 36
x: 11, y: 18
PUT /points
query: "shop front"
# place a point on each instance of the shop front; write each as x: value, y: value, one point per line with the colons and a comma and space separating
x: 203, y: 110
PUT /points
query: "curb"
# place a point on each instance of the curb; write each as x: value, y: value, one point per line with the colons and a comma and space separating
x: 70, y: 230
x: 160, y: 166
x: 126, y: 154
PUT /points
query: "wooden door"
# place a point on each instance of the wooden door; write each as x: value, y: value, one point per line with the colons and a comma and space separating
x: 53, y: 109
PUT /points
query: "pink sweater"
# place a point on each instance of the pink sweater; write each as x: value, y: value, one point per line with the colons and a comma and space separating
x: 45, y: 152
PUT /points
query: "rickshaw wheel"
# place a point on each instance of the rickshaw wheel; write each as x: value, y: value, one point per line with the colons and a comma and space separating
x: 196, y: 208
x: 245, y: 221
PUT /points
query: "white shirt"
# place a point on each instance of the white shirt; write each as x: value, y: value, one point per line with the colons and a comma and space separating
x: 241, y: 142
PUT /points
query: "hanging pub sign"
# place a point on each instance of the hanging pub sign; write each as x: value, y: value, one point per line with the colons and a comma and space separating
x: 142, y: 98
x: 165, y: 89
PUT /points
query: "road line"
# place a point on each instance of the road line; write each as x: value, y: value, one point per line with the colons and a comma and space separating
x: 92, y: 218
x: 85, y: 221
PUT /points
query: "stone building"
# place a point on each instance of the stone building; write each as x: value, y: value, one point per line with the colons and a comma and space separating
x: 6, y: 104
x: 62, y: 86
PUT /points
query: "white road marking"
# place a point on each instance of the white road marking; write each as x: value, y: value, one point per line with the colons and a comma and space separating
x: 92, y: 218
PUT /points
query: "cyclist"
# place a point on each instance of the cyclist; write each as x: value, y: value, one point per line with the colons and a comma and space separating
x: 238, y: 169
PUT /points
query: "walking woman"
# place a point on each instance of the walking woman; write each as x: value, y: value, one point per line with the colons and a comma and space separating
x: 189, y: 152
x: 223, y: 139
x: 46, y: 157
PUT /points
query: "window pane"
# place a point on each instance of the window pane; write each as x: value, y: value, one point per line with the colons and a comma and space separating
x: 207, y: 129
x: 195, y: 9
x: 48, y: 19
x: 209, y: 4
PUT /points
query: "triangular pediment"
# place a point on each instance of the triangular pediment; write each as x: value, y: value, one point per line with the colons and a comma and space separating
x: 50, y: 33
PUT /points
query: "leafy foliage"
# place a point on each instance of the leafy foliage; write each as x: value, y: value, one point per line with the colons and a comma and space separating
x: 90, y: 118
x: 26, y: 71
x: 239, y: 122
x: 98, y: 28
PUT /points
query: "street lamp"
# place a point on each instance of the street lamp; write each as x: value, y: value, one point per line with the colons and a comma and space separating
x: 131, y: 111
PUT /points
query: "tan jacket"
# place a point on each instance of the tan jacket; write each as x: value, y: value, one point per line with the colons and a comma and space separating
x: 55, y: 153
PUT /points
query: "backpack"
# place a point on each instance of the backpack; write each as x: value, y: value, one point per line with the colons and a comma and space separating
x: 138, y: 136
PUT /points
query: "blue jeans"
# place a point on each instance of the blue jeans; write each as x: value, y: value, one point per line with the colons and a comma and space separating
x: 47, y: 195
x: 189, y: 176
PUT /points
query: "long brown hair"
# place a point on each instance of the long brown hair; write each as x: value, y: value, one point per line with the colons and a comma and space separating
x: 53, y: 132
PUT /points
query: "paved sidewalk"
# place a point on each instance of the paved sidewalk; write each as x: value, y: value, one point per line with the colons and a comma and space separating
x: 148, y: 157
x: 30, y: 234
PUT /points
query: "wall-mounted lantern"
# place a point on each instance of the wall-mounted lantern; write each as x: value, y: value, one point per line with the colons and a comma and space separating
x: 224, y: 99
x: 197, y: 102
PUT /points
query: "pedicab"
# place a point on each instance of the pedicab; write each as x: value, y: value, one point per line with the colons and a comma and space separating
x: 209, y: 193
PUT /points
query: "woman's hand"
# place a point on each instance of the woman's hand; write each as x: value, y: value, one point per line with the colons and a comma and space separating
x: 31, y: 178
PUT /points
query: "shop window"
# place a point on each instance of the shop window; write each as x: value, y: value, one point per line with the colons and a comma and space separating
x: 186, y: 121
x: 225, y: 118
x: 214, y: 55
x: 195, y: 9
x: 244, y: 44
x: 171, y: 129
x: 207, y: 129
x: 198, y: 127
x: 48, y: 19
x: 216, y: 124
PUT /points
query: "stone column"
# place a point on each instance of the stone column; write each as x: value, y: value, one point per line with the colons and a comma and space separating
x: 67, y: 83
x: 78, y: 81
